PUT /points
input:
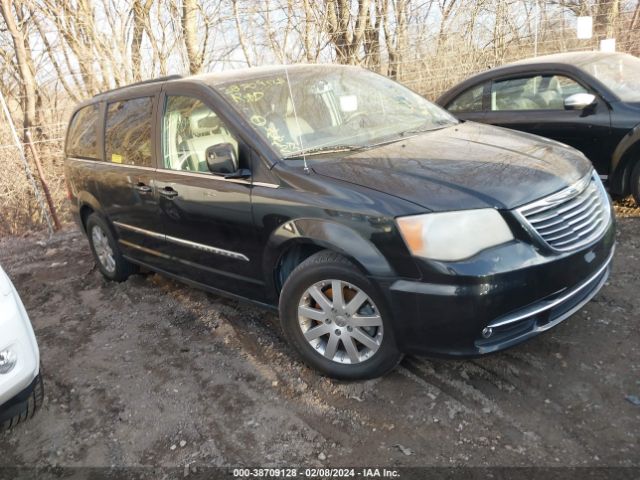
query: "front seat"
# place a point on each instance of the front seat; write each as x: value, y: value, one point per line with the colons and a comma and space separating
x: 297, y: 127
x: 550, y: 95
x: 206, y: 131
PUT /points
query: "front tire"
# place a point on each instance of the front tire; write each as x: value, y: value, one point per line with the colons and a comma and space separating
x: 106, y: 252
x: 23, y: 406
x: 335, y: 319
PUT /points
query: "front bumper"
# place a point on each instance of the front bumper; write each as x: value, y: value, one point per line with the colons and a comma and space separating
x: 513, y: 292
x: 17, y: 335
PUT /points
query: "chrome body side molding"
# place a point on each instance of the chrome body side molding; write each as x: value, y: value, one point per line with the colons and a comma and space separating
x: 183, y: 242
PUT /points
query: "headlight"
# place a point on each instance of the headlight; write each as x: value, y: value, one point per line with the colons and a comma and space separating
x: 453, y: 235
x: 8, y: 360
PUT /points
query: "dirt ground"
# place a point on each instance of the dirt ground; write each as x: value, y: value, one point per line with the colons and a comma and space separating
x: 152, y: 372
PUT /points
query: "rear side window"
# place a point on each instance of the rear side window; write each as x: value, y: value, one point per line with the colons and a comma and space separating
x: 469, y: 101
x: 128, y: 132
x: 82, y: 140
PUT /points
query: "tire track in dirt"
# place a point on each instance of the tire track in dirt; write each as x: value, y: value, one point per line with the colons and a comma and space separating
x: 271, y: 358
x: 469, y: 387
x: 453, y: 379
x: 245, y: 365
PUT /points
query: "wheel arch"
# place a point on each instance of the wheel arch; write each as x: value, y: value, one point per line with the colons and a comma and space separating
x: 294, y: 241
x: 625, y: 156
x: 87, y: 204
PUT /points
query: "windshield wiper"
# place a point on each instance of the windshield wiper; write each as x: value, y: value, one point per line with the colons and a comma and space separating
x: 425, y: 128
x: 327, y: 149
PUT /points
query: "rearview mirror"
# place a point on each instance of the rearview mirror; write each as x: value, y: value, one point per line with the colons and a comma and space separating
x: 579, y: 101
x: 221, y: 159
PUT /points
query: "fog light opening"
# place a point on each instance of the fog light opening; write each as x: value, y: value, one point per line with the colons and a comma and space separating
x: 487, y: 332
x: 8, y: 360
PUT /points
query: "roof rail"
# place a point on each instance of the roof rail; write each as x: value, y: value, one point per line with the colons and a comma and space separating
x: 143, y: 82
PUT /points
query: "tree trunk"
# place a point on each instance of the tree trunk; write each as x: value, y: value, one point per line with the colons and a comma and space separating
x: 189, y: 32
x: 140, y: 12
x: 308, y: 17
x: 346, y: 37
x: 607, y: 14
x: 24, y: 60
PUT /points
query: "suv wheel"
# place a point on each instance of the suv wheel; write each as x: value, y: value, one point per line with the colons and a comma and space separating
x: 106, y: 252
x: 635, y: 183
x: 335, y: 320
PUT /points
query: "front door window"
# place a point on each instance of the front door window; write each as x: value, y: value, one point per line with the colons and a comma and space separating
x: 539, y: 92
x: 189, y: 129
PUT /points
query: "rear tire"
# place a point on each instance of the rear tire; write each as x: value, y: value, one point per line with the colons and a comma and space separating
x: 357, y: 340
x: 20, y: 409
x: 635, y: 183
x: 106, y: 252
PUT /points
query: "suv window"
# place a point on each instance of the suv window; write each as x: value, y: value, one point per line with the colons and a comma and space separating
x: 539, y: 92
x: 128, y: 132
x: 82, y: 140
x: 189, y: 128
x: 469, y: 101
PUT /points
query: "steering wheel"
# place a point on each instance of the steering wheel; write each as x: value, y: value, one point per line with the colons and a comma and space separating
x: 187, y: 162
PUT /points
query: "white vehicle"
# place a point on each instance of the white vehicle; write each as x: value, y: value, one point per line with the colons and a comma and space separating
x: 21, y: 390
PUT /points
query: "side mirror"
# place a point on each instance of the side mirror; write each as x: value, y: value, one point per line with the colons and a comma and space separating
x: 241, y: 173
x: 579, y: 101
x: 221, y: 159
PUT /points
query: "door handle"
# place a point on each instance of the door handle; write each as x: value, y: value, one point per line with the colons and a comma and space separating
x: 142, y: 188
x: 168, y: 192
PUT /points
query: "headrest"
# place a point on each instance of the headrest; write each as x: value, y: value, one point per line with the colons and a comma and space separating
x: 203, y: 121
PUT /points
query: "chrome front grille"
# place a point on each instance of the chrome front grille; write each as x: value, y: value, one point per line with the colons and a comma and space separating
x: 571, y: 218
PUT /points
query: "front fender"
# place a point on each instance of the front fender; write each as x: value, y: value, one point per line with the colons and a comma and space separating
x: 330, y: 235
x: 620, y: 161
x: 84, y: 198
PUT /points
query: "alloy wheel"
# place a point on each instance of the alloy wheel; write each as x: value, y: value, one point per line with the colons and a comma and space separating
x: 103, y: 250
x: 340, y: 321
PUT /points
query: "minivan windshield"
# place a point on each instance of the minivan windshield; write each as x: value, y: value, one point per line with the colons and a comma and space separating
x: 313, y: 109
x: 620, y: 72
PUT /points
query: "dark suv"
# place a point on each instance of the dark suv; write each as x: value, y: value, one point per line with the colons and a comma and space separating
x: 374, y: 221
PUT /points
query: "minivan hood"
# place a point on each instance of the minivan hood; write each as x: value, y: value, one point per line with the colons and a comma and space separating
x: 466, y: 166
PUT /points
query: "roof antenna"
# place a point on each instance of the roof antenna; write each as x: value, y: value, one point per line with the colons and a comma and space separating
x: 295, y: 114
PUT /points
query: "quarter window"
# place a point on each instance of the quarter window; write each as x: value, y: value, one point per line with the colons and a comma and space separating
x: 82, y: 141
x: 540, y: 92
x: 189, y: 129
x: 469, y: 101
x: 128, y: 132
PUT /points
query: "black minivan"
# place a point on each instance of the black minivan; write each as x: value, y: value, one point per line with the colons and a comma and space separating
x: 375, y: 222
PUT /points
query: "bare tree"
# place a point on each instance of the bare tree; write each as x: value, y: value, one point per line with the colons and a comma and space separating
x: 140, y: 12
x: 190, y: 35
x: 241, y: 38
x: 347, y: 30
x: 14, y: 14
x: 395, y: 41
